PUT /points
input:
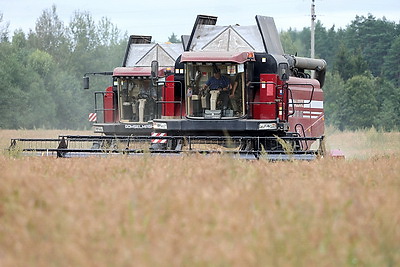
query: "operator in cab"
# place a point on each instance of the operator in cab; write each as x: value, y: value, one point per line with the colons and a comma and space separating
x: 219, y: 86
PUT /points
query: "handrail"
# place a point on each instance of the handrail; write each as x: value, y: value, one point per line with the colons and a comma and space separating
x: 299, y: 103
x: 96, y: 109
x: 248, y: 103
x: 312, y: 91
x: 163, y: 83
x: 268, y: 103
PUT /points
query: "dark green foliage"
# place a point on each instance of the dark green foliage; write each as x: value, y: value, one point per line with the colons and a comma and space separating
x: 391, y: 65
x: 349, y: 64
x: 333, y: 90
x: 357, y: 106
x: 388, y: 98
x: 42, y: 71
x: 173, y: 38
x: 374, y: 37
x: 3, y: 29
x: 362, y: 86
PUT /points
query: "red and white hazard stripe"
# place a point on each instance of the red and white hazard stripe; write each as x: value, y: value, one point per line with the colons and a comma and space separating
x: 93, y: 117
x: 158, y: 140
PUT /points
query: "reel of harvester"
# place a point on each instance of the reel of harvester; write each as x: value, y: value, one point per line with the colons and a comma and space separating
x: 245, y: 147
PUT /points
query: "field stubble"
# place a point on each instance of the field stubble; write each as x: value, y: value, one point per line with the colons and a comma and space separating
x: 199, y: 211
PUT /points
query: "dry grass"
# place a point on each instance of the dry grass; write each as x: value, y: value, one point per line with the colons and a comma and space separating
x: 199, y: 211
x: 364, y: 144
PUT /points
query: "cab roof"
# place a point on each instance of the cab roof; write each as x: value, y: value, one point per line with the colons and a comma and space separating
x: 210, y: 57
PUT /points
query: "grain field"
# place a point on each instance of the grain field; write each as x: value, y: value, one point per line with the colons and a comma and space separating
x: 199, y: 211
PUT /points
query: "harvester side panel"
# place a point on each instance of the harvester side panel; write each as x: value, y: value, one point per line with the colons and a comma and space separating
x: 308, y: 106
x: 109, y: 115
x: 168, y: 109
x: 266, y: 110
x: 173, y: 100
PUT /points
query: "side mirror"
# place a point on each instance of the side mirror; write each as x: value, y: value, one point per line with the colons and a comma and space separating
x: 283, y: 71
x: 154, y: 69
x: 85, y: 82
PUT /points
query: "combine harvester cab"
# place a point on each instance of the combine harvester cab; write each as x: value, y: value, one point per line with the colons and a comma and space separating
x: 267, y: 105
x: 130, y: 105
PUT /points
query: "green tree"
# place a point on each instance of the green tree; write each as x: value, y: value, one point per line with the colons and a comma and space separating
x: 3, y: 29
x: 108, y: 33
x: 391, y: 65
x: 287, y: 43
x: 72, y: 103
x: 9, y: 88
x: 41, y: 62
x: 373, y: 37
x: 38, y: 109
x: 292, y: 44
x: 24, y: 100
x: 84, y: 39
x: 41, y: 72
x: 349, y: 64
x: 110, y: 50
x: 358, y: 105
x: 19, y: 40
x: 326, y: 43
x: 333, y: 95
x: 388, y: 101
x: 50, y: 35
x: 173, y: 39
x: 305, y: 38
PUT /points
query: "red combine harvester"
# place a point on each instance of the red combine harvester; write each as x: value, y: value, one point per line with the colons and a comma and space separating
x: 235, y: 88
x: 129, y: 106
x: 233, y: 91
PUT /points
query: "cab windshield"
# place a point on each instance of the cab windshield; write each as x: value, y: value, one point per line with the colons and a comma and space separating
x: 215, y: 90
x: 136, y: 99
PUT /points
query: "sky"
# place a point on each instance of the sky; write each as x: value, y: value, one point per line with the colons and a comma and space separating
x: 162, y: 18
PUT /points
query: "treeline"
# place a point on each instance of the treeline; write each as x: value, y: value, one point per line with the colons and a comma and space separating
x: 363, y: 79
x: 42, y: 70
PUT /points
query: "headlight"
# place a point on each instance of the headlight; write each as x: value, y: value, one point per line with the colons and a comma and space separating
x: 267, y: 126
x: 98, y: 129
x: 160, y: 125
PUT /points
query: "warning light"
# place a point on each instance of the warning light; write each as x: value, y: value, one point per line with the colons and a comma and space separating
x: 168, y: 71
x: 250, y: 55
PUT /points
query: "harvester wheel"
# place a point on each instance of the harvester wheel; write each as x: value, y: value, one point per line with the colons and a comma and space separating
x: 171, y: 144
x: 246, y: 145
x: 96, y: 145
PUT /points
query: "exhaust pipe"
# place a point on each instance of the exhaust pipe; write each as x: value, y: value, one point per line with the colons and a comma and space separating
x: 317, y: 65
